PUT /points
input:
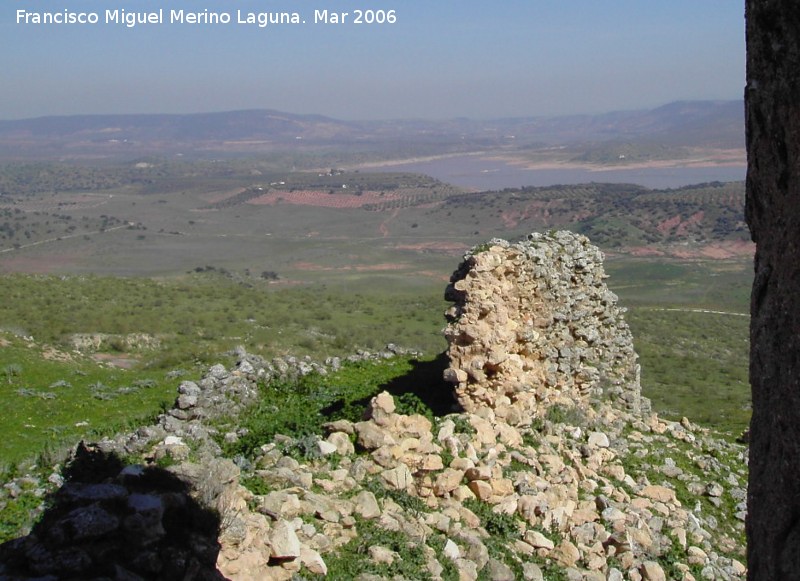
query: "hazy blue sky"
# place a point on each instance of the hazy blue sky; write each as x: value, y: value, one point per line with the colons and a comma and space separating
x: 442, y: 58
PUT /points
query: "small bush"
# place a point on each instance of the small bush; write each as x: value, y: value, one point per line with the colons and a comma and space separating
x: 410, y: 404
x: 497, y: 524
x: 349, y: 562
x: 410, y: 503
x: 298, y: 408
x: 569, y: 415
x: 12, y: 371
x: 462, y: 426
x: 17, y: 515
x: 256, y: 485
x: 303, y: 448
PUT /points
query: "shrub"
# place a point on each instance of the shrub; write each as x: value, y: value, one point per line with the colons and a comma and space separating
x: 298, y: 407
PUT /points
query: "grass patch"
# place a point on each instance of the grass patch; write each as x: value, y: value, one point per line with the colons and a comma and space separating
x: 709, y: 466
x: 503, y: 529
x: 695, y: 364
x: 45, y: 403
x: 351, y: 559
x: 497, y: 524
x: 196, y: 319
x: 403, y: 499
x: 203, y: 314
x: 256, y: 485
x: 298, y: 408
x: 17, y: 515
x: 569, y: 415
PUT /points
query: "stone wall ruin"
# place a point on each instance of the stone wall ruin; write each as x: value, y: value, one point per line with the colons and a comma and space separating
x: 534, y: 324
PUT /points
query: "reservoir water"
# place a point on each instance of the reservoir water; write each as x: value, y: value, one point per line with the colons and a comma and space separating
x: 478, y: 173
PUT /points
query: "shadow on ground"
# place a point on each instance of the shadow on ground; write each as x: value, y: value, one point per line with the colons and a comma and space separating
x: 112, y: 521
x: 425, y: 382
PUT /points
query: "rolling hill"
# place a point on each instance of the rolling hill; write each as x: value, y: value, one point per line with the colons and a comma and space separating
x: 715, y: 124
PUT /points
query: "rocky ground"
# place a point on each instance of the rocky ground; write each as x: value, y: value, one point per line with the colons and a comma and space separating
x: 584, y: 492
x: 580, y: 485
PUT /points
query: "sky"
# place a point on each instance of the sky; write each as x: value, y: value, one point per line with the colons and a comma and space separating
x: 438, y: 59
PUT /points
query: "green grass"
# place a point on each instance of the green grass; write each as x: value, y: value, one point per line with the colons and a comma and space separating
x: 299, y: 408
x: 693, y: 364
x: 203, y: 314
x: 16, y: 516
x: 503, y: 529
x: 690, y: 326
x: 349, y: 561
x: 46, y: 403
x: 657, y: 282
x: 197, y: 319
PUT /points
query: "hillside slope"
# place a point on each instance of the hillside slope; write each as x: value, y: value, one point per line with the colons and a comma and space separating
x: 362, y: 469
x: 715, y: 124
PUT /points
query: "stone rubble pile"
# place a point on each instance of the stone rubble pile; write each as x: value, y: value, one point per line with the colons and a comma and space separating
x: 104, y: 509
x: 610, y: 497
x: 222, y: 393
x: 534, y: 324
x: 596, y: 494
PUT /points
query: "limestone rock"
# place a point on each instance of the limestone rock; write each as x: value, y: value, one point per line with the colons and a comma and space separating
x: 313, y: 561
x: 381, y: 555
x: 284, y: 541
x: 398, y: 478
x: 372, y: 436
x: 599, y: 439
x: 451, y: 550
x: 566, y: 554
x: 652, y: 571
x: 532, y: 572
x: 660, y: 493
x: 538, y: 540
x: 499, y: 571
x: 342, y: 443
x: 366, y: 505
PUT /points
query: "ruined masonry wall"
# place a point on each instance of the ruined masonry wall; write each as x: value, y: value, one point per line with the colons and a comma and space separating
x: 534, y: 324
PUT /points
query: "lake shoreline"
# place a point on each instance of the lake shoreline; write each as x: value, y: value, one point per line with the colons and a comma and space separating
x: 479, y: 171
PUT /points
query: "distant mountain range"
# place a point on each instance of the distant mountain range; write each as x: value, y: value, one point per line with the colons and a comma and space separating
x: 717, y: 124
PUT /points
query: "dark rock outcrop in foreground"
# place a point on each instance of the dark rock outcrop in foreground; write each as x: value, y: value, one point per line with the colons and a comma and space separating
x: 773, y: 213
x: 111, y: 521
